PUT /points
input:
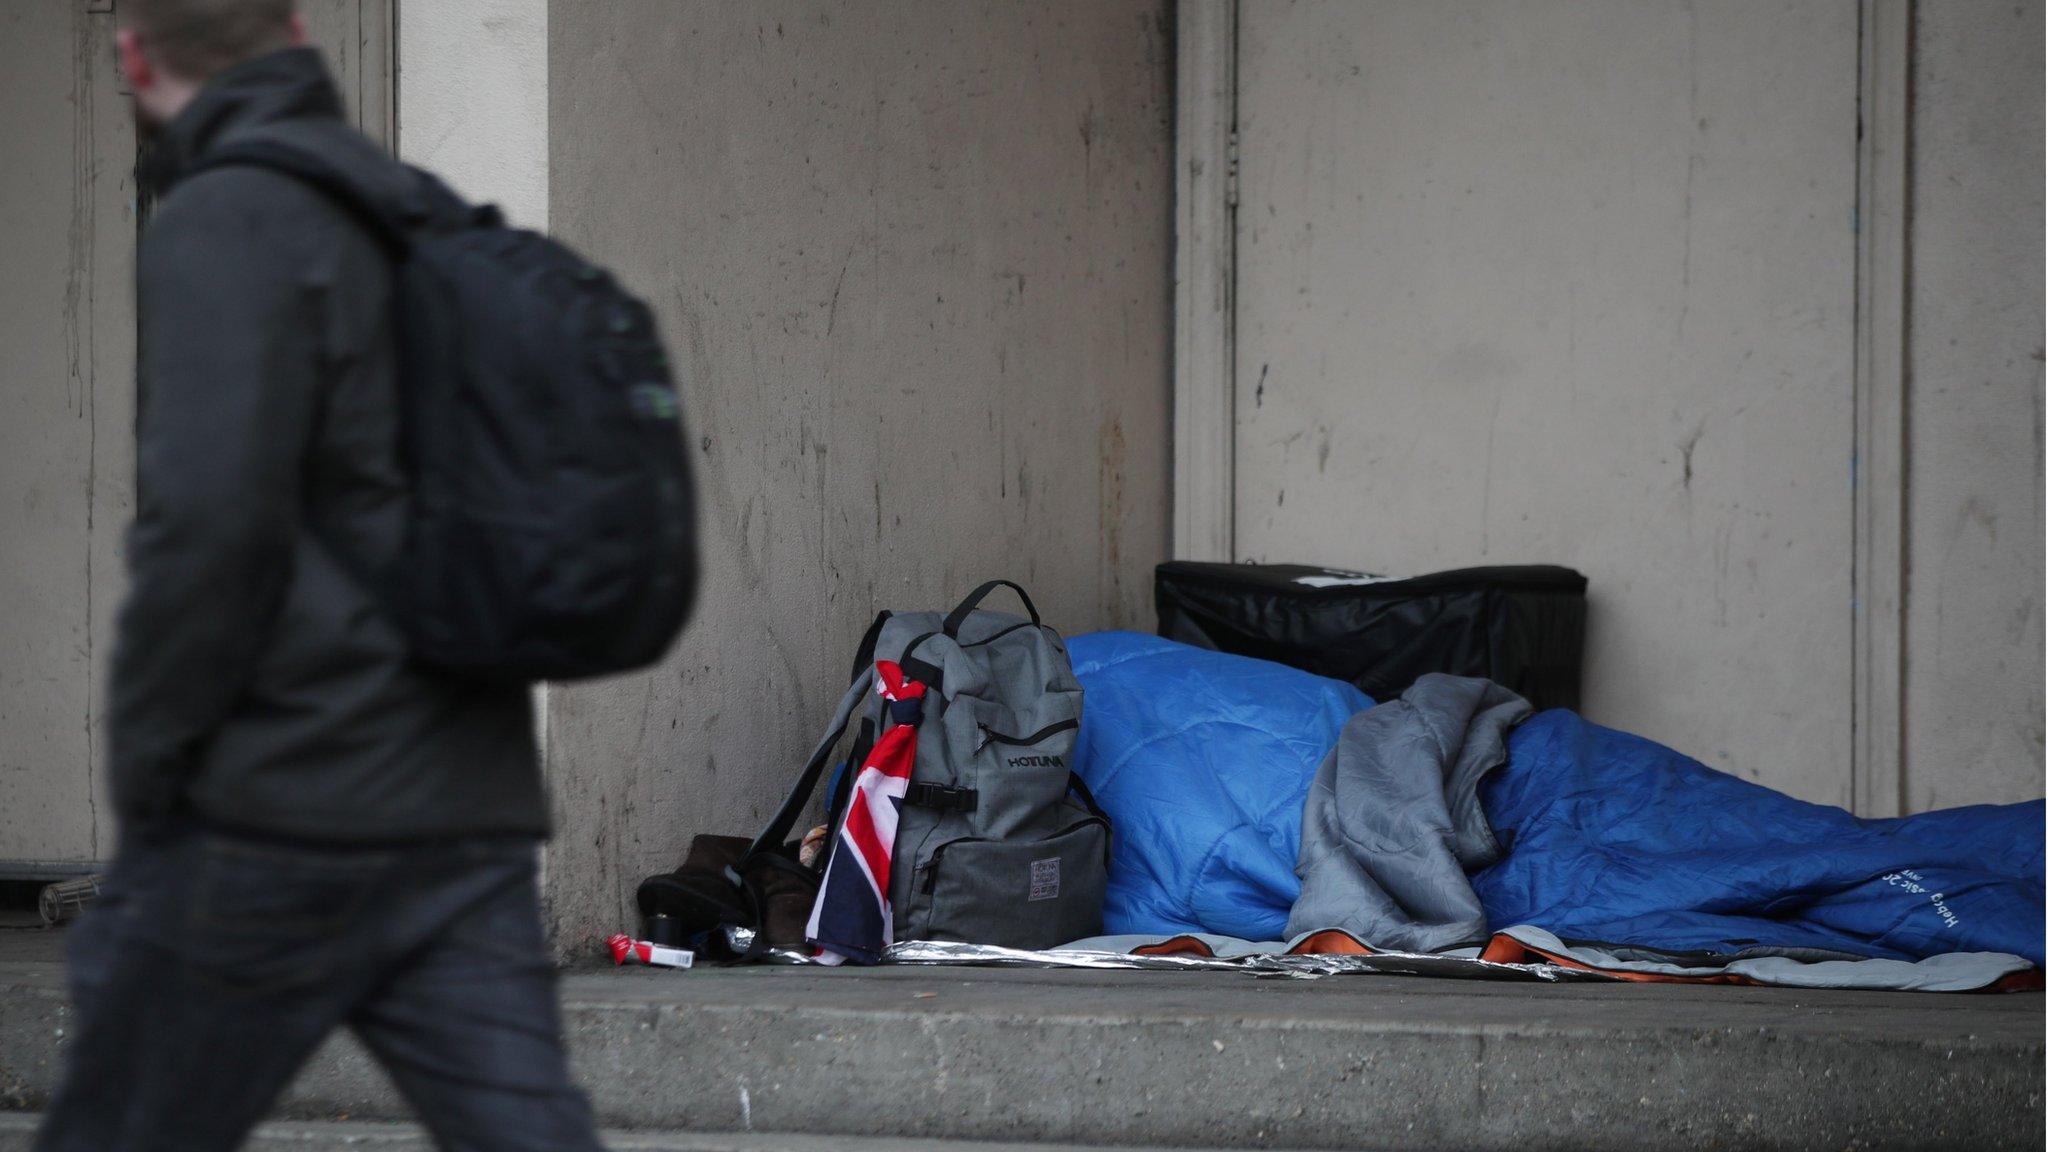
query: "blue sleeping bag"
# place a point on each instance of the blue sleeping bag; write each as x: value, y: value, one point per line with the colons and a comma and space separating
x: 1615, y: 838
x: 1204, y: 761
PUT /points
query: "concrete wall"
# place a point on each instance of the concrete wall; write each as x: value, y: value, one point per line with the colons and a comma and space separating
x: 913, y: 260
x: 473, y: 99
x: 1574, y: 282
x: 67, y: 347
x: 913, y: 263
x: 1570, y: 282
x: 1974, y: 424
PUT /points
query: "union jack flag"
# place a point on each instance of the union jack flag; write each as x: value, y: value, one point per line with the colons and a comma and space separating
x: 851, y: 919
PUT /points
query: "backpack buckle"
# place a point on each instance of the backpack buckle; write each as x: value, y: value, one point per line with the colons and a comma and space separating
x: 941, y: 797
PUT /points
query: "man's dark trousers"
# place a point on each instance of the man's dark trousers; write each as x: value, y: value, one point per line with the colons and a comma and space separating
x: 214, y: 965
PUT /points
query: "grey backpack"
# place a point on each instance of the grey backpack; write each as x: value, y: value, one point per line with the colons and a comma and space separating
x: 998, y: 841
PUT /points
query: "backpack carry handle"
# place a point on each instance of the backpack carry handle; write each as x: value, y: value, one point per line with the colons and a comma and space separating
x: 958, y: 615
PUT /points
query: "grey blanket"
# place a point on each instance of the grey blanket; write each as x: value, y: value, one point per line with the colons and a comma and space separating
x: 1393, y: 822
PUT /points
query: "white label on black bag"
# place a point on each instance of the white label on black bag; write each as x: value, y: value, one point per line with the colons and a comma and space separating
x: 1045, y: 879
x: 1333, y: 578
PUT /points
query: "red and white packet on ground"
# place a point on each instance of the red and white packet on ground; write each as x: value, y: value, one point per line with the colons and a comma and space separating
x: 626, y: 950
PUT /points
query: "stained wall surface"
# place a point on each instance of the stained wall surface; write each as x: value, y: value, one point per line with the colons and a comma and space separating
x: 1575, y: 282
x: 1570, y: 282
x: 913, y: 263
x: 1974, y: 480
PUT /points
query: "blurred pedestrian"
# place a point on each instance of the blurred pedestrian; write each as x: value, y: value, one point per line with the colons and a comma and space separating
x: 315, y: 831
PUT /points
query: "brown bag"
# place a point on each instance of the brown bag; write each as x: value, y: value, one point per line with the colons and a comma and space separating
x: 773, y: 896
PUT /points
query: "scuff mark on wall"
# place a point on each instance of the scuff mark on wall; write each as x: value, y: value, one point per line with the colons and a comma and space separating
x: 1110, y: 511
x: 1685, y: 450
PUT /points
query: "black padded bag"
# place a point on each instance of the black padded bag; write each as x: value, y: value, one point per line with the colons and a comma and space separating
x: 552, y: 528
x: 1521, y: 627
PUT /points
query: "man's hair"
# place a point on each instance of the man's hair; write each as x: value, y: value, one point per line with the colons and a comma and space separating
x: 199, y: 39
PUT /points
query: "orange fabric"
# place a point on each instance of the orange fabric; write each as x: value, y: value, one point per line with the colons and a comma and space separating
x: 2028, y: 981
x: 1503, y: 946
x: 1505, y: 949
x: 1329, y: 942
x: 1178, y: 946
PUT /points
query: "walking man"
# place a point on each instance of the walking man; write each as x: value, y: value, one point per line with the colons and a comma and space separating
x: 315, y: 831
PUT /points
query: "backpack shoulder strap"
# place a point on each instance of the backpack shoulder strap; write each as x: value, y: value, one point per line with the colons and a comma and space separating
x: 393, y: 205
x: 863, y: 677
x: 800, y: 796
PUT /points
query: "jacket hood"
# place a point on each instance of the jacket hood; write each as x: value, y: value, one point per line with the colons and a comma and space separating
x: 289, y: 84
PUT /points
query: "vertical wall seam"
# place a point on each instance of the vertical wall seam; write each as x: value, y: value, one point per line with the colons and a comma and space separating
x: 1905, y: 377
x: 1233, y: 201
x: 1878, y: 782
x: 1205, y: 352
x: 397, y: 50
x: 85, y: 145
x: 1858, y: 384
x: 543, y: 695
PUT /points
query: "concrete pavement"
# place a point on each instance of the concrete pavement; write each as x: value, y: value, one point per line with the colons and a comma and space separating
x: 17, y: 1129
x: 1207, y: 1059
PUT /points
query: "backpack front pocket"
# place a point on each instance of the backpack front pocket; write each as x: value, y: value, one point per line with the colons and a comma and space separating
x: 1018, y: 893
x: 1020, y: 775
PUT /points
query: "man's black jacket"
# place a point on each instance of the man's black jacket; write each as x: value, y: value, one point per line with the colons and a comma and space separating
x: 257, y: 685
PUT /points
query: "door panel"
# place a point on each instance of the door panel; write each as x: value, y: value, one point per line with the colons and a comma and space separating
x: 355, y: 35
x: 66, y: 396
x: 1573, y: 282
x: 67, y: 349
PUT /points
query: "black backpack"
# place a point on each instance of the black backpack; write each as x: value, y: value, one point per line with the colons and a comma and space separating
x: 552, y: 531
